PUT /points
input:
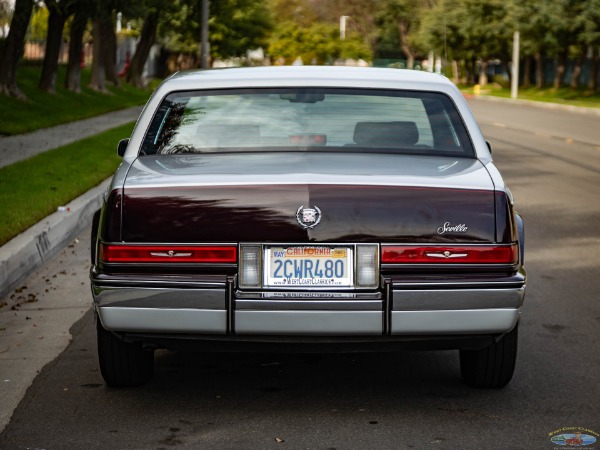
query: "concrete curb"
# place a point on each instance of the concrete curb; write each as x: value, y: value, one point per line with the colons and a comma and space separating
x: 32, y: 248
x: 544, y: 105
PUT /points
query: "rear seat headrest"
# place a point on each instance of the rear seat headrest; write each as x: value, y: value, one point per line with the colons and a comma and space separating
x: 386, y: 134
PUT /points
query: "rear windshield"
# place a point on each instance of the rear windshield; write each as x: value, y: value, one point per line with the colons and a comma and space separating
x: 307, y: 119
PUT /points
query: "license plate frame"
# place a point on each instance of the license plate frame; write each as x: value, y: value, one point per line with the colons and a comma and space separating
x: 276, y: 270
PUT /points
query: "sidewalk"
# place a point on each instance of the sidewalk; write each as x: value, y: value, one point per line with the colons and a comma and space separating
x: 32, y: 248
x: 44, y: 270
x: 23, y: 146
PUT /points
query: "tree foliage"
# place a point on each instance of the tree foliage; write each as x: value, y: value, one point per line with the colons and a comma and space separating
x: 5, y: 17
x: 469, y: 30
x: 38, y: 28
x: 562, y: 34
x: 399, y: 22
x: 310, y: 30
x: 318, y: 43
x: 235, y: 26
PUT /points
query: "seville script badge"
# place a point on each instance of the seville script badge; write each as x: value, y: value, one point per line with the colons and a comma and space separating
x: 308, y: 217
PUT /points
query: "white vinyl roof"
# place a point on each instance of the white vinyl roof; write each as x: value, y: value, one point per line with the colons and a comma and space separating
x: 325, y: 76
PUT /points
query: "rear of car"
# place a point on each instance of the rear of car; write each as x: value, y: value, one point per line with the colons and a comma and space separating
x: 309, y: 209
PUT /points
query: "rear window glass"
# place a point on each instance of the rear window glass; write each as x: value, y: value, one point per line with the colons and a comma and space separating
x: 303, y: 119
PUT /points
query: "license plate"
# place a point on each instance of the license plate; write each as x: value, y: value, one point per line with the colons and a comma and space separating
x: 308, y: 266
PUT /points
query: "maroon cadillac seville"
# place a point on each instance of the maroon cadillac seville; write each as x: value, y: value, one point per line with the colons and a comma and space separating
x: 307, y: 209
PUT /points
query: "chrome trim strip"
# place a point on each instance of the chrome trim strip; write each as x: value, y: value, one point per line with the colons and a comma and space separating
x: 457, y: 299
x: 484, y: 284
x: 446, y: 255
x: 158, y: 284
x: 301, y: 304
x: 137, y: 297
x: 308, y: 322
x: 163, y: 281
x: 170, y: 243
x: 170, y: 254
x: 150, y: 284
x: 450, y: 266
x: 308, y: 295
x: 230, y: 306
x: 249, y: 180
x: 388, y: 302
x: 445, y: 244
x: 175, y: 264
x: 150, y: 320
x: 454, y: 322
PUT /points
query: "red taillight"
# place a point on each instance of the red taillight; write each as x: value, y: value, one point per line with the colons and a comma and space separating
x: 450, y: 254
x: 168, y: 254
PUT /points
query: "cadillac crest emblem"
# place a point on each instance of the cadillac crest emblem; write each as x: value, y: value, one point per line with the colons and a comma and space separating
x: 308, y: 217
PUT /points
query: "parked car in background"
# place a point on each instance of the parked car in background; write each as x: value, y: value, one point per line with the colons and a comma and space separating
x: 307, y: 209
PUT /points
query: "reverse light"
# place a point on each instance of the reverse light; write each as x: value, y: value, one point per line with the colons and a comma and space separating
x: 222, y: 254
x: 450, y: 254
x: 367, y: 266
x: 250, y: 266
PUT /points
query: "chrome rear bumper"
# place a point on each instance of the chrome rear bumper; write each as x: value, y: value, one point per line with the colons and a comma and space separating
x: 218, y: 310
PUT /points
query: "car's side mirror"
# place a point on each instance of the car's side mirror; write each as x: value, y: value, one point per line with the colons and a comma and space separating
x: 122, y: 147
x: 489, y: 146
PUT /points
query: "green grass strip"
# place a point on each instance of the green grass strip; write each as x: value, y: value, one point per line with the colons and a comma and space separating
x: 34, y: 188
x: 564, y: 96
x: 42, y: 110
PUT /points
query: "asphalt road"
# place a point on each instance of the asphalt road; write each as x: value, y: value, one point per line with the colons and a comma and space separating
x: 551, y: 161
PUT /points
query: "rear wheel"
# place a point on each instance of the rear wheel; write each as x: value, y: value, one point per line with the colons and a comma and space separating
x: 493, y: 366
x: 123, y: 364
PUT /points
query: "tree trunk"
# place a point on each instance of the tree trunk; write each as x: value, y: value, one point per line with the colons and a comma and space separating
x: 574, y: 83
x: 73, y: 77
x: 455, y: 74
x: 593, y: 81
x: 13, y: 48
x: 98, y: 76
x: 527, y: 72
x: 56, y: 23
x: 482, y: 73
x: 471, y: 69
x: 508, y: 69
x: 142, y: 50
x: 109, y: 50
x: 560, y: 70
x: 408, y: 52
x: 539, y: 70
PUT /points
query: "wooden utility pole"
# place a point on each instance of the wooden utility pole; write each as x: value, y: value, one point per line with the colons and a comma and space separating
x: 204, y: 36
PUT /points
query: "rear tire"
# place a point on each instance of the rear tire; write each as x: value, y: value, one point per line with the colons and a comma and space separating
x: 123, y: 364
x: 493, y: 366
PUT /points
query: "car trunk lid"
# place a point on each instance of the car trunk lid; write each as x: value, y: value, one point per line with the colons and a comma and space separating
x: 260, y: 197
